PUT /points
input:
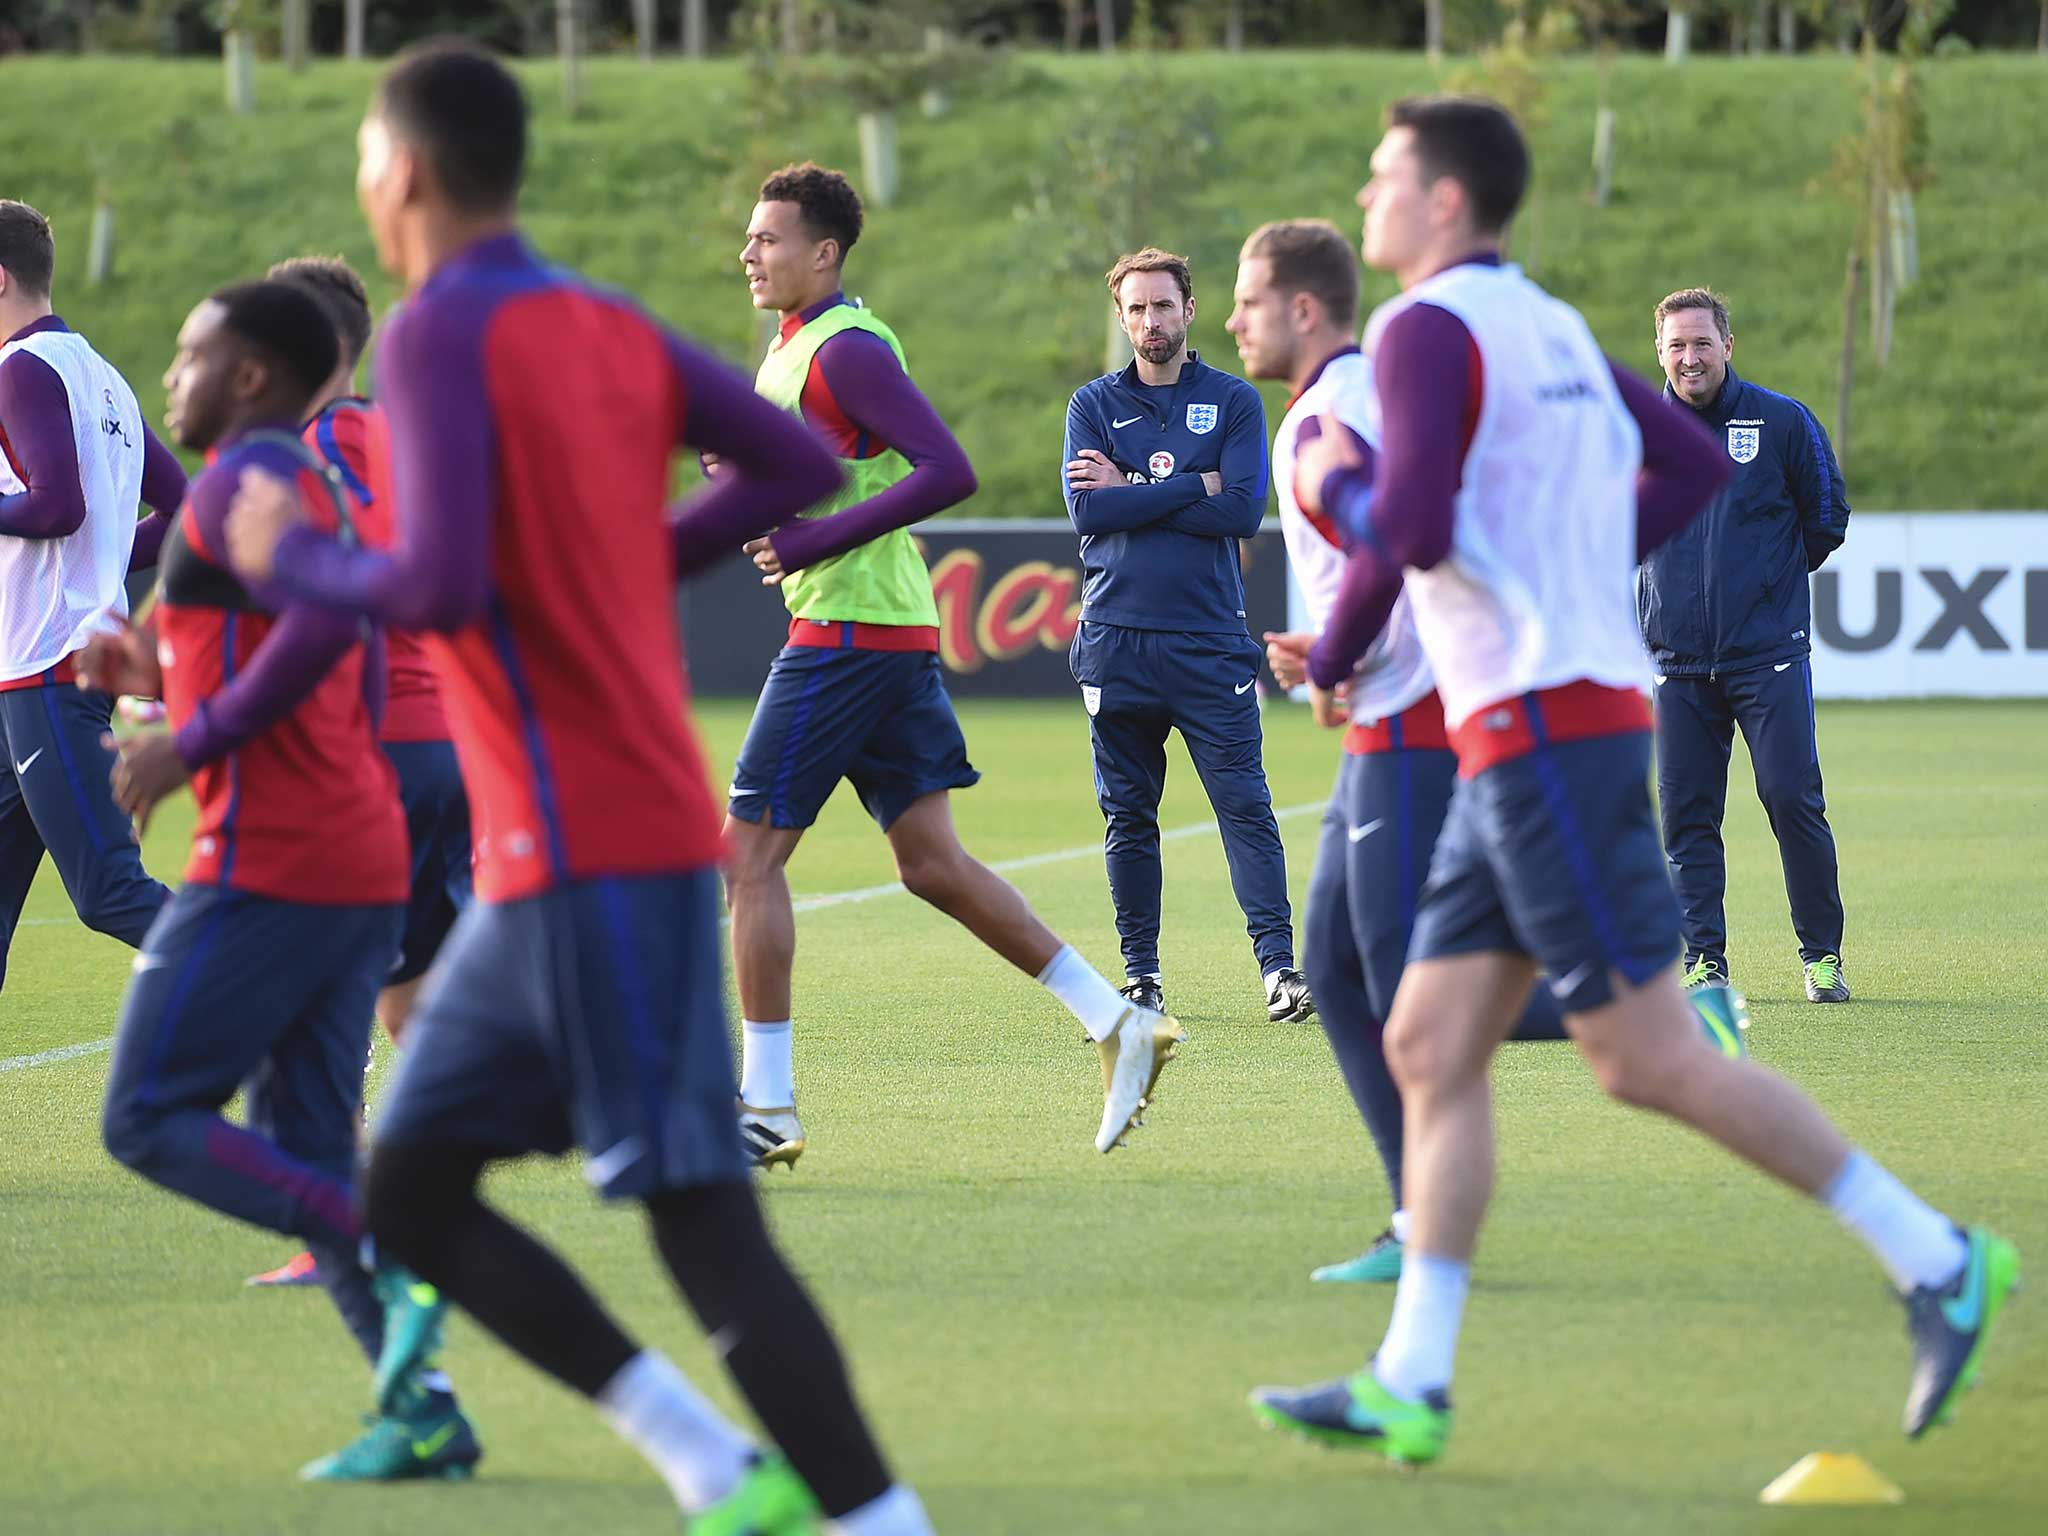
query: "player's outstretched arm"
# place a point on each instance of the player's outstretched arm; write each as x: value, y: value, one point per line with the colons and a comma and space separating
x: 1682, y: 464
x: 869, y: 387
x: 770, y: 465
x: 1236, y: 511
x: 444, y: 472
x: 36, y: 412
x: 1114, y: 508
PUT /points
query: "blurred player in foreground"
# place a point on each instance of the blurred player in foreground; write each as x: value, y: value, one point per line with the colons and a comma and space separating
x: 349, y: 434
x: 1520, y: 478
x: 857, y: 692
x: 1295, y: 314
x: 263, y: 968
x: 533, y: 422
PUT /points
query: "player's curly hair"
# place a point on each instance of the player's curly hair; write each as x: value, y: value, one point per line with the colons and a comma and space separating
x: 830, y: 207
x: 1694, y: 298
x: 1151, y: 259
x: 284, y: 325
x: 335, y: 287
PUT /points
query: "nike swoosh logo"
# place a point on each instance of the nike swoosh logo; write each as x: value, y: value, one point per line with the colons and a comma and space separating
x: 614, y: 1160
x: 28, y: 762
x: 1125, y: 422
x: 1568, y: 983
x: 1241, y: 687
x: 1781, y: 666
x: 1360, y: 834
x: 440, y: 1437
x: 1965, y: 1312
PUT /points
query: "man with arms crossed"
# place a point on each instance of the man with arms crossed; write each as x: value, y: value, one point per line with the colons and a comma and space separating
x: 1519, y: 480
x: 1165, y: 470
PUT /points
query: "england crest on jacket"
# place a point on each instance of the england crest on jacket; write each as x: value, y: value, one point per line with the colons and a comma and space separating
x: 1743, y: 442
x: 1201, y: 419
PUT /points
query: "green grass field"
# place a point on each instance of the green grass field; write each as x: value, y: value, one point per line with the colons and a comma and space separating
x: 1056, y: 1342
x: 1721, y: 177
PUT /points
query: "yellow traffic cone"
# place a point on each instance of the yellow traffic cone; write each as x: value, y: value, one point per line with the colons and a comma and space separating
x: 1832, y: 1477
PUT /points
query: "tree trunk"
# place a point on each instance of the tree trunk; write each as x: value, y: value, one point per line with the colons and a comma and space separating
x: 238, y: 57
x: 934, y: 102
x: 353, y: 45
x: 1070, y: 25
x: 1905, y: 240
x: 99, y: 256
x: 1116, y: 348
x: 1845, y: 376
x: 88, y: 40
x: 1105, y: 25
x: 569, y: 46
x: 1677, y: 35
x: 1603, y: 156
x: 792, y: 27
x: 1233, y: 27
x: 1788, y: 29
x: 2041, y: 32
x: 878, y: 160
x: 1760, y: 28
x: 292, y: 38
x: 1883, y: 292
x: 644, y: 22
x: 1433, y: 30
x: 696, y: 30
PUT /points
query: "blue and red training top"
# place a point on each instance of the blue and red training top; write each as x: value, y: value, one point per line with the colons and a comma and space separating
x: 533, y: 421
x: 266, y: 701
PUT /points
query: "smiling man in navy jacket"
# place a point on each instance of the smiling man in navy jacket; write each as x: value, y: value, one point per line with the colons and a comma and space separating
x: 1726, y: 615
x: 1165, y: 472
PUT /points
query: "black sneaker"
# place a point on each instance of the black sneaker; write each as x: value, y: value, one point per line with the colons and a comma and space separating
x: 1146, y: 992
x: 1287, y: 999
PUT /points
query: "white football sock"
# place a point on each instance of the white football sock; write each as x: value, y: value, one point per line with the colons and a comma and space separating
x: 656, y: 1411
x: 1915, y: 1243
x: 894, y: 1513
x: 1399, y: 1224
x: 1422, y: 1335
x: 767, y: 1064
x: 1085, y: 990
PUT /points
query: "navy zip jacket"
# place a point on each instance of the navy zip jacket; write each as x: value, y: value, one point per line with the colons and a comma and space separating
x: 1157, y: 552
x: 1729, y: 590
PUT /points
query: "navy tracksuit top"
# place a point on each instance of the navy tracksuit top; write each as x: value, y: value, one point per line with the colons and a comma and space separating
x: 1157, y: 552
x: 1728, y: 592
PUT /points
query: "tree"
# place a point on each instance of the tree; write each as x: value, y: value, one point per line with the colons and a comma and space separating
x: 353, y: 27
x: 1105, y: 25
x: 294, y: 40
x: 1678, y: 31
x: 696, y: 29
x: 569, y: 45
x: 644, y: 23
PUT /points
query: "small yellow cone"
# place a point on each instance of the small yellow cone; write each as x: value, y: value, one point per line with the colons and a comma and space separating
x: 1832, y: 1477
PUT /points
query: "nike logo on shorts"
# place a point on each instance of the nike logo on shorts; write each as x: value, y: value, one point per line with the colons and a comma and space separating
x: 1125, y: 422
x: 1240, y: 688
x: 28, y: 762
x: 1781, y: 666
x: 613, y: 1161
x: 1360, y: 834
x: 1567, y: 984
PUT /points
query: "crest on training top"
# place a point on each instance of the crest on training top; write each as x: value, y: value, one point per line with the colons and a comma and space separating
x: 1743, y: 443
x: 1201, y: 418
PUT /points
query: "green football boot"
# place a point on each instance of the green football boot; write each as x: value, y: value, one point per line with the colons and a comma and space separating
x: 771, y: 1500
x: 1825, y: 982
x: 1380, y: 1264
x: 431, y: 1440
x: 412, y: 1333
x: 1357, y: 1410
x: 1723, y: 1015
x: 1948, y: 1325
x: 1702, y: 973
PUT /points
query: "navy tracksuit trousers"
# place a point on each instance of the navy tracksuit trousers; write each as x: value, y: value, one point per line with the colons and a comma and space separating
x: 1138, y: 684
x: 1696, y: 722
x: 55, y: 798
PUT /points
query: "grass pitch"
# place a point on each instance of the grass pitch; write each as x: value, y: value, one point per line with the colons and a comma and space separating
x: 1051, y: 1341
